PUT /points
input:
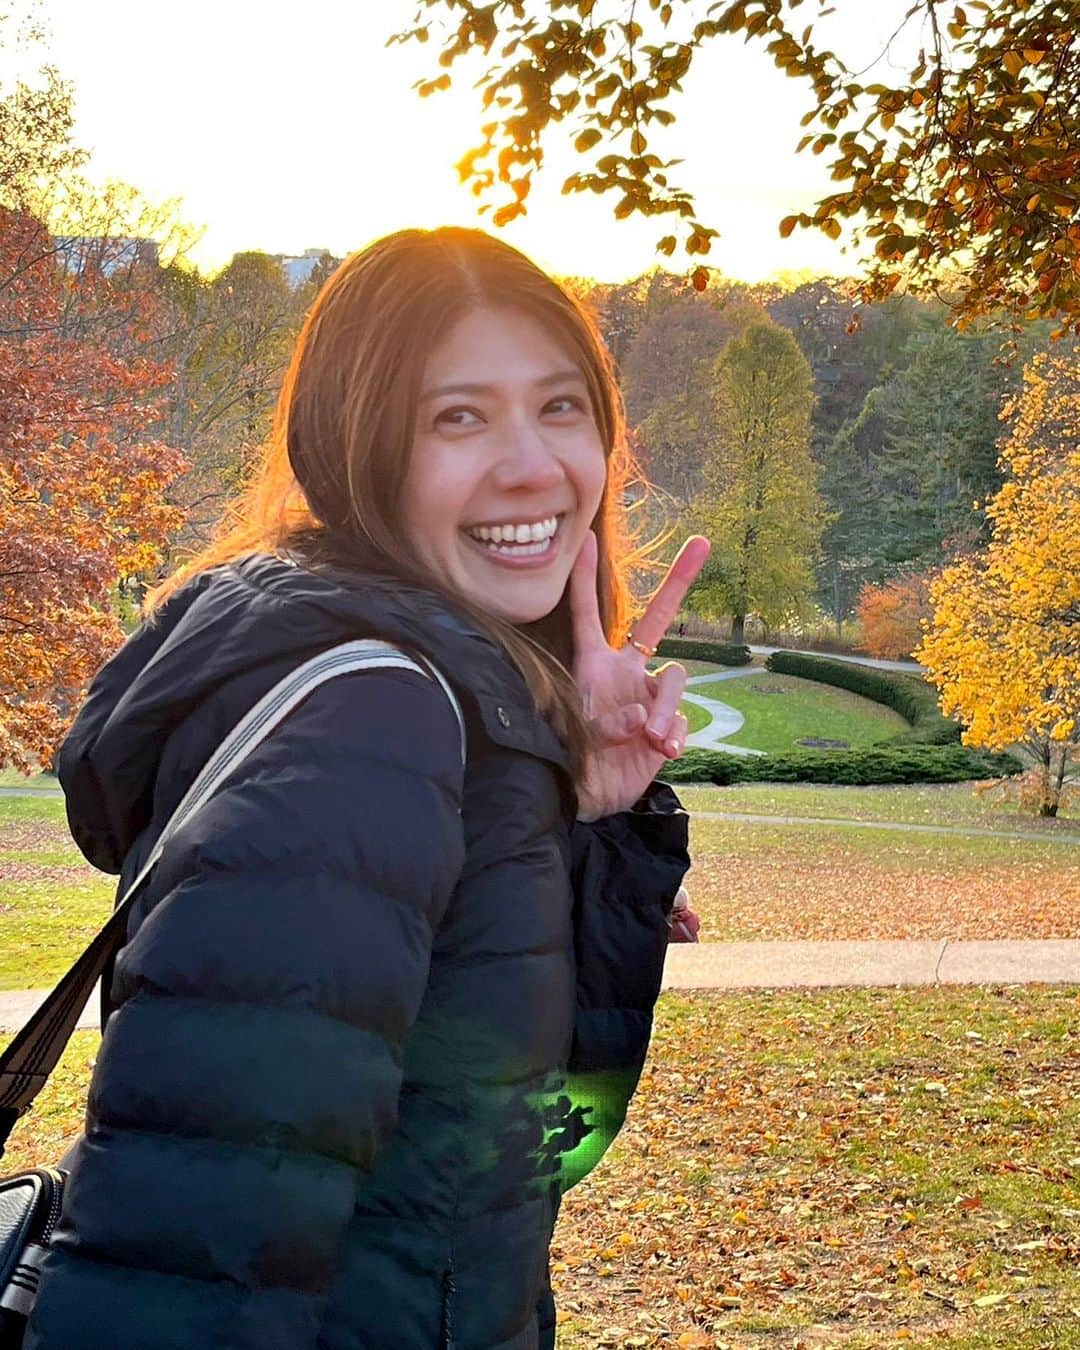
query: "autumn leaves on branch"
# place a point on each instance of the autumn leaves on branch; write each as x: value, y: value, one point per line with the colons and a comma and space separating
x: 964, y: 174
x: 82, y: 475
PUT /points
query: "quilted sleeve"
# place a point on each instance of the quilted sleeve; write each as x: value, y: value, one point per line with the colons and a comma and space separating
x: 626, y: 869
x: 254, y: 1066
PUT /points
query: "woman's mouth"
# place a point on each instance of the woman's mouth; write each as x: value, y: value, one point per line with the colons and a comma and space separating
x: 513, y: 542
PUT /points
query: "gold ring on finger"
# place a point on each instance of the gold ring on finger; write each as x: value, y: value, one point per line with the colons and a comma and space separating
x: 639, y: 646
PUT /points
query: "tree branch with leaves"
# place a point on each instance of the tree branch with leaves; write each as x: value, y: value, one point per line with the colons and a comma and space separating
x: 963, y: 176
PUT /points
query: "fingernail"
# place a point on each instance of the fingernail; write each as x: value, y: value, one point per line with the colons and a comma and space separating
x: 653, y: 728
x: 672, y: 746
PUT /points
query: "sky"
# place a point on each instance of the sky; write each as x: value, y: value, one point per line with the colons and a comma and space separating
x: 285, y: 127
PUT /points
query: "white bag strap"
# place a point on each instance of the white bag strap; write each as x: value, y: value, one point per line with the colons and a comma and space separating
x: 27, y: 1062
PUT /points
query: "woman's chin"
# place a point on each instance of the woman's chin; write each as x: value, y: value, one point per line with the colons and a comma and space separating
x: 517, y: 600
x: 517, y: 611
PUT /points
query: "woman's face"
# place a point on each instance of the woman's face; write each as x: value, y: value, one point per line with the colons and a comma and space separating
x: 507, y: 466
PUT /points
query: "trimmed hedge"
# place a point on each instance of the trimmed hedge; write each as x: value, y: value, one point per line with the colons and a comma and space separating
x: 877, y: 764
x: 723, y: 654
x: 911, y: 697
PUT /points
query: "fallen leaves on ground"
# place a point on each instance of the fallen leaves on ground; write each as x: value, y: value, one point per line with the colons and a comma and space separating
x: 836, y: 1168
x: 785, y: 895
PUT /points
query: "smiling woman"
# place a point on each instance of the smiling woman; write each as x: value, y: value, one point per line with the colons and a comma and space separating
x: 507, y: 469
x: 383, y: 1002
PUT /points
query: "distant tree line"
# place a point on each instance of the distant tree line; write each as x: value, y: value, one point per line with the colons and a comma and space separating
x: 903, y: 414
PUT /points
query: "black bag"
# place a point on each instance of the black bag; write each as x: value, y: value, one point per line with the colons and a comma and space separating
x: 31, y: 1201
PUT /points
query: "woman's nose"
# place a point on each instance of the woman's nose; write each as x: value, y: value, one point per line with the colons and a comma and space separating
x: 527, y: 461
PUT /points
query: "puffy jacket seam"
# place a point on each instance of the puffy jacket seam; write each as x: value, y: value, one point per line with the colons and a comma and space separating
x: 241, y: 1286
x: 492, y: 958
x: 207, y: 866
x: 227, y: 1145
x: 258, y: 1006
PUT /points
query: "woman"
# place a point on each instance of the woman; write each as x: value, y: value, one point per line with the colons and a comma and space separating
x: 378, y: 1011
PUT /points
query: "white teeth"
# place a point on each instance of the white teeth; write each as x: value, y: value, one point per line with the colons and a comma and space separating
x: 539, y: 532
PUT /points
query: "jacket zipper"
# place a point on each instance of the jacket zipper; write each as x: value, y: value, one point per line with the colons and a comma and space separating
x: 448, y: 1293
x: 56, y: 1200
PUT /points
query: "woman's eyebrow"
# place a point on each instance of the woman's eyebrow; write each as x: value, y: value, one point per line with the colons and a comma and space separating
x: 556, y: 377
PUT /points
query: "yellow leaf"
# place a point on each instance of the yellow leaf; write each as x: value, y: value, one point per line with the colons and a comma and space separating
x: 1013, y: 62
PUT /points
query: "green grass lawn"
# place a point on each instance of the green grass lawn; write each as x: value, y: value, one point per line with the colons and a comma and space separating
x: 838, y: 1168
x: 51, y: 901
x: 34, y: 809
x: 696, y: 716
x: 910, y: 851
x: 9, y: 778
x: 916, y: 804
x: 45, y: 924
x: 691, y: 667
x: 782, y: 709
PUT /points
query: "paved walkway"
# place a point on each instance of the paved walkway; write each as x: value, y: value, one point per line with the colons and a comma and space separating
x: 794, y: 965
x: 784, y: 965
x: 726, y: 720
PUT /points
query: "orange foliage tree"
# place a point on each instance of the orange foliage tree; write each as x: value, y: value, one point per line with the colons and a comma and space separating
x: 891, y: 615
x: 82, y: 475
x: 1004, y: 645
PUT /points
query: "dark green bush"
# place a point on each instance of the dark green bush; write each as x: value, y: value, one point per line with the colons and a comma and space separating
x: 910, y: 696
x: 689, y: 649
x: 877, y: 764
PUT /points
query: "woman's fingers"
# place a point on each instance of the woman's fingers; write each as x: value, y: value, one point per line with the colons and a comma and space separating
x: 622, y: 725
x: 676, y: 740
x: 667, y: 691
x: 584, y: 601
x: 665, y: 604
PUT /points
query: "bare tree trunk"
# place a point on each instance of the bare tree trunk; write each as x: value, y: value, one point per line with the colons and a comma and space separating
x: 1054, y: 780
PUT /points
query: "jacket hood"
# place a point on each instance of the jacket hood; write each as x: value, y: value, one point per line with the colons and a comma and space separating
x: 227, y: 622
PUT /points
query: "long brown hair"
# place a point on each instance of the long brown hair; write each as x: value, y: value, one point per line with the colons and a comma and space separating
x: 329, y: 484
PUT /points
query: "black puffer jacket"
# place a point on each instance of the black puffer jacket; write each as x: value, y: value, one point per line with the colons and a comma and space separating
x: 375, y: 1014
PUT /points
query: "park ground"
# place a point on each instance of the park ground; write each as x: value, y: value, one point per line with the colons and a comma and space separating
x: 799, y: 1168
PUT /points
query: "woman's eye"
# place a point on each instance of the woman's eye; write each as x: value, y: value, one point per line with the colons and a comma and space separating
x: 457, y: 417
x: 565, y: 403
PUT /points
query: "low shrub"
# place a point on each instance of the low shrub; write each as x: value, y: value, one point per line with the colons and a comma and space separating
x: 689, y: 649
x: 911, y: 697
x: 875, y: 765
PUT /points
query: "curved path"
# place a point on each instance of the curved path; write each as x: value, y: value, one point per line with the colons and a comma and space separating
x: 726, y: 720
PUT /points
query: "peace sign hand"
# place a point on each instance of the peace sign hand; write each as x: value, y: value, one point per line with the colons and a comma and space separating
x: 633, y: 715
